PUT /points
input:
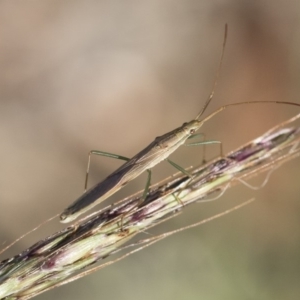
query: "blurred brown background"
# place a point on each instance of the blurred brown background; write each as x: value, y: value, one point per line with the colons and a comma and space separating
x: 112, y: 75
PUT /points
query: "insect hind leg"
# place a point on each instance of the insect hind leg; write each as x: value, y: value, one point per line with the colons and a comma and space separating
x: 102, y: 153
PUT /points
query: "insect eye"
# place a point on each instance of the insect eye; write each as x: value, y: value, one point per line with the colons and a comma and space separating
x: 192, y: 131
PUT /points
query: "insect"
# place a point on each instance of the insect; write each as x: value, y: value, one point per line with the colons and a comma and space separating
x: 150, y: 156
x: 160, y: 149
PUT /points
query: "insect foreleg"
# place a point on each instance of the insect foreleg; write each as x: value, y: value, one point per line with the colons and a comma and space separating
x: 204, y: 143
x: 196, y: 135
x: 102, y: 153
x: 182, y: 170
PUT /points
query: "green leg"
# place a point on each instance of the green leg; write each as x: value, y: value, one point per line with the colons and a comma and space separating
x: 102, y: 153
x: 204, y: 143
x: 182, y: 170
x: 146, y: 190
x: 148, y: 183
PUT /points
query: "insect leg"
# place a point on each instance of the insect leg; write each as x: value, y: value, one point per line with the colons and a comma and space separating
x: 102, y: 153
x: 146, y: 190
x: 196, y: 135
x: 182, y: 170
x: 148, y: 183
x: 204, y: 143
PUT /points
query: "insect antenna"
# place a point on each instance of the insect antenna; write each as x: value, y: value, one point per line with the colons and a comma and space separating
x: 216, y: 76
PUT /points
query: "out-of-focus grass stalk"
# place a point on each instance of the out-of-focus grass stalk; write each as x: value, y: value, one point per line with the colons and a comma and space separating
x: 50, y: 262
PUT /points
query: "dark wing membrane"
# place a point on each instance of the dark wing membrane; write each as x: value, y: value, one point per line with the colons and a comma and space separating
x: 97, y: 190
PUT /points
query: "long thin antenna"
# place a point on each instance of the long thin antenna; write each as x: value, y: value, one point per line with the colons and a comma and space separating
x: 216, y: 78
x: 246, y: 102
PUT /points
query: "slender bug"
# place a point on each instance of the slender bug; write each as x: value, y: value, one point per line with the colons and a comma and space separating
x: 154, y: 153
x: 150, y: 156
